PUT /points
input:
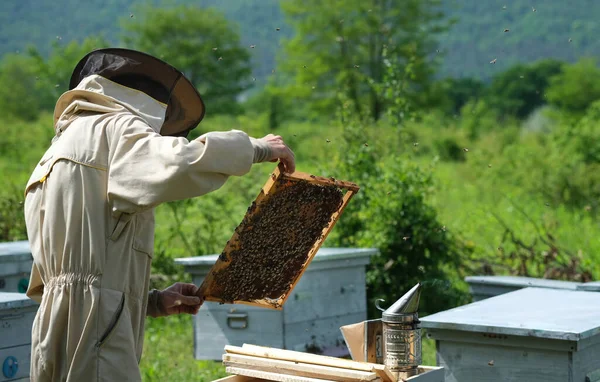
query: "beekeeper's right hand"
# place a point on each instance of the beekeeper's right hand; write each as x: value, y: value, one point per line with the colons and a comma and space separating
x: 272, y: 148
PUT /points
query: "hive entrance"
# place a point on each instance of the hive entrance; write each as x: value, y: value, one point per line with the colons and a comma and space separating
x: 276, y: 240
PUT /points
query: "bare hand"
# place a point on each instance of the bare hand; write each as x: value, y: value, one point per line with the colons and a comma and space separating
x: 280, y: 151
x: 180, y: 298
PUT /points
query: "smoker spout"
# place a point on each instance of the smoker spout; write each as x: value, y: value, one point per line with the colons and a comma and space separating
x: 407, y: 304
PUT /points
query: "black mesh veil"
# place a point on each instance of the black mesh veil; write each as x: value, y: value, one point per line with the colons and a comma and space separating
x: 185, y: 108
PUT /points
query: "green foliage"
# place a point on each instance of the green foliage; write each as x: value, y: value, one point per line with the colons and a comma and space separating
x: 478, y: 117
x: 451, y: 94
x: 169, y: 352
x: 392, y: 212
x: 521, y: 89
x: 12, y: 224
x: 17, y: 98
x: 576, y: 88
x: 30, y: 83
x: 199, y: 42
x: 339, y: 45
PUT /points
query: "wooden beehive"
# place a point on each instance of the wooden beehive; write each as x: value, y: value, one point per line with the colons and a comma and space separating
x: 278, y: 237
x: 531, y: 334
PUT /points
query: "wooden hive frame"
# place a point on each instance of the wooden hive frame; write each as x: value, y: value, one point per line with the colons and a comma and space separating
x: 209, y: 290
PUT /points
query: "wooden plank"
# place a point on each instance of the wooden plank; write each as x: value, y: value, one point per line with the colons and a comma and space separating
x: 271, y: 376
x: 239, y: 378
x: 297, y: 368
x: 277, y: 181
x: 322, y: 181
x: 294, y: 356
x: 288, y: 355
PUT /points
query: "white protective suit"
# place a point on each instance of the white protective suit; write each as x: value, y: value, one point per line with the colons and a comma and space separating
x: 89, y: 209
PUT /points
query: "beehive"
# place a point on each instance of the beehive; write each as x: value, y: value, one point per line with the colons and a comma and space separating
x: 532, y: 334
x: 330, y: 294
x: 277, y: 239
x: 15, y: 266
x: 17, y: 313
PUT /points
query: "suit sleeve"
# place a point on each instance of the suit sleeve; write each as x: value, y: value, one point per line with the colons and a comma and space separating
x: 147, y: 169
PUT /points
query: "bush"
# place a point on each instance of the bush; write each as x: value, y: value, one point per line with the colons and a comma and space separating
x: 576, y: 88
x: 392, y: 212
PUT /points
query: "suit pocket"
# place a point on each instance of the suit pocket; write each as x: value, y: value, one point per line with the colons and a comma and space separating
x: 143, y: 240
x: 112, y: 324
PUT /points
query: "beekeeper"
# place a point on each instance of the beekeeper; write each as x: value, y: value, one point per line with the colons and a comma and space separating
x: 119, y: 151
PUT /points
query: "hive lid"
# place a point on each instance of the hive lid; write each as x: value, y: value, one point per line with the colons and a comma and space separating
x: 532, y: 312
x: 593, y: 286
x: 11, y: 300
x: 15, y: 251
x: 323, y: 254
x: 277, y: 239
x: 523, y: 282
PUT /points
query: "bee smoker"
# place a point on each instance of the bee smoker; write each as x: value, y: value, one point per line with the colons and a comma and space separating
x: 402, y: 335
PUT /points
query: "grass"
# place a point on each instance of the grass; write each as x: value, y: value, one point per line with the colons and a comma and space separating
x: 169, y: 353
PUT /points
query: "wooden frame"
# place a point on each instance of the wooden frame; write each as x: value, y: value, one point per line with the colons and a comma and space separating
x: 277, y: 180
x: 303, y: 364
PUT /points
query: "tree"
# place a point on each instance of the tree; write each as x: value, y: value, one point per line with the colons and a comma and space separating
x: 339, y: 44
x: 31, y: 83
x: 576, y: 88
x: 522, y: 88
x: 199, y: 42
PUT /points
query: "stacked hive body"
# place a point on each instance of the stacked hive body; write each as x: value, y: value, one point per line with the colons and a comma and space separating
x: 531, y: 334
x: 282, y: 231
x: 17, y: 311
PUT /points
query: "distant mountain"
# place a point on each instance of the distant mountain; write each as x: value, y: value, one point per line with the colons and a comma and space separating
x: 504, y: 32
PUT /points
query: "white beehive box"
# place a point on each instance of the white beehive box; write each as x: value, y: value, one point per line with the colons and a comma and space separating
x: 533, y: 334
x: 482, y: 287
x: 330, y: 294
x: 15, y: 266
x: 17, y: 313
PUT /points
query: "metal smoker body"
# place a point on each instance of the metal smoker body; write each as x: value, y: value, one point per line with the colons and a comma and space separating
x: 402, y: 335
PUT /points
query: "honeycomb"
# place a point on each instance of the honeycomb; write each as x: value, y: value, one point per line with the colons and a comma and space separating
x: 274, y: 240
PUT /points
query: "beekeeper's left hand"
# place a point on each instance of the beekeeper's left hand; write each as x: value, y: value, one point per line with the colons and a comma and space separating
x: 177, y: 299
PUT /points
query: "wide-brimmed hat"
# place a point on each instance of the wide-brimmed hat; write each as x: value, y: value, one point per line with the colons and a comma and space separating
x: 185, y: 108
